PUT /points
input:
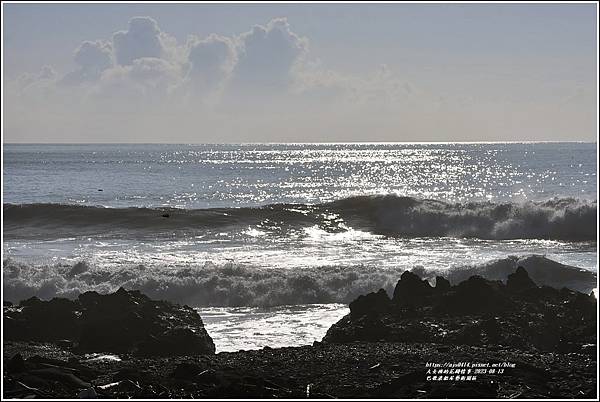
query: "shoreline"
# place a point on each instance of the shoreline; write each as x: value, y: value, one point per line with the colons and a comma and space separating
x: 384, y: 348
x: 354, y: 370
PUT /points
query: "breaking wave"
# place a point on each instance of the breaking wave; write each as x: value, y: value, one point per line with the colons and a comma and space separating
x: 237, y: 285
x: 567, y: 219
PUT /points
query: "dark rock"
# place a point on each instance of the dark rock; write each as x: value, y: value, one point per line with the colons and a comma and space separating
x: 475, y: 295
x: 121, y: 322
x: 30, y: 302
x: 442, y: 284
x: 6, y: 303
x: 468, y: 335
x: 207, y: 377
x: 42, y: 320
x: 62, y: 375
x: 411, y: 290
x: 15, y: 364
x: 186, y: 371
x: 65, y: 343
x: 177, y: 342
x: 492, y: 329
x: 583, y: 306
x: 368, y: 328
x: 130, y: 321
x: 130, y: 374
x: 373, y: 303
x: 474, y: 312
x: 519, y: 281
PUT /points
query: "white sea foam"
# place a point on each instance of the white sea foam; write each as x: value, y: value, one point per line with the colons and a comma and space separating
x: 238, y: 285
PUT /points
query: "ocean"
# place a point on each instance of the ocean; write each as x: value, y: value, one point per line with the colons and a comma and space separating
x: 270, y: 242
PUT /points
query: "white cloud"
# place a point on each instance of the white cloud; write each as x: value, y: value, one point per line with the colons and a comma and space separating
x: 142, y: 39
x: 267, y: 56
x: 148, y: 80
x: 210, y: 60
x: 95, y: 56
x: 92, y: 58
x: 260, y: 85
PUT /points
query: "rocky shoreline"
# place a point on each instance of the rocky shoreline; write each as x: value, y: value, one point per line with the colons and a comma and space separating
x: 537, y: 342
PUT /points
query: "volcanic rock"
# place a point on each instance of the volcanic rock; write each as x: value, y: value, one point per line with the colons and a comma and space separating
x: 476, y: 312
x: 519, y: 281
x: 373, y: 303
x: 121, y: 322
x: 442, y: 284
x: 411, y: 290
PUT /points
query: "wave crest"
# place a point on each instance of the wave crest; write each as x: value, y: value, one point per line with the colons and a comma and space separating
x: 566, y: 219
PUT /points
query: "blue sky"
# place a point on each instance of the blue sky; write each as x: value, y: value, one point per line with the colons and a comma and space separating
x: 347, y: 72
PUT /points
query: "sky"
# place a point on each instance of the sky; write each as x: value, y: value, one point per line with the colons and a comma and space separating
x: 214, y: 73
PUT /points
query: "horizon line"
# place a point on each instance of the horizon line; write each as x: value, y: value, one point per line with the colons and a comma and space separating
x: 308, y: 143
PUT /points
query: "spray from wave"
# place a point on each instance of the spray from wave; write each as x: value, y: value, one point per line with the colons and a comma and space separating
x: 558, y: 219
x: 236, y: 285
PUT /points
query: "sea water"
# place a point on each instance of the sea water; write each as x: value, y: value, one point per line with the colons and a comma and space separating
x: 280, y: 237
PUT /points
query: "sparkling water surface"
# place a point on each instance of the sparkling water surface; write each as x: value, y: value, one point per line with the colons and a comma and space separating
x: 179, y: 266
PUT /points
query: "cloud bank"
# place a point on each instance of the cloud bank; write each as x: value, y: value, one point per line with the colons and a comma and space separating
x: 262, y: 85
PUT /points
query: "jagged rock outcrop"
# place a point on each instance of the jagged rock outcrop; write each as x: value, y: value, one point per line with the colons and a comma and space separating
x: 411, y: 290
x: 475, y: 312
x: 121, y: 322
x: 372, y: 303
x: 442, y: 284
x: 520, y: 281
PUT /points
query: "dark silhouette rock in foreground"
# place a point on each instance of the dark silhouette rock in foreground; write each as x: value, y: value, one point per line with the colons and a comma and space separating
x: 373, y: 303
x: 478, y: 312
x: 121, y: 322
x: 348, y: 370
x: 379, y: 350
x: 520, y: 281
x: 411, y: 290
x: 441, y: 284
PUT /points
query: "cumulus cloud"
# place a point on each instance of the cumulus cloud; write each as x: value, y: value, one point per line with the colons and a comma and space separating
x: 92, y: 58
x: 95, y: 56
x: 142, y: 39
x: 244, y: 87
x: 148, y: 80
x: 268, y: 55
x: 211, y: 61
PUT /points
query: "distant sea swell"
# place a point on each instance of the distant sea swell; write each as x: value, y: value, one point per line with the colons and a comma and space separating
x: 567, y: 219
x: 238, y: 285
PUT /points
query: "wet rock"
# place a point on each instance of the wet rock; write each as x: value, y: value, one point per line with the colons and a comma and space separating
x: 519, y: 281
x: 373, y: 303
x: 121, y: 322
x: 411, y: 290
